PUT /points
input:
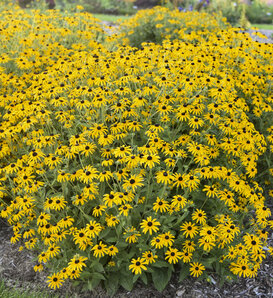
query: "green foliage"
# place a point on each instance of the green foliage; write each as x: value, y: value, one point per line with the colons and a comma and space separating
x: 259, y: 12
x: 108, y: 6
x: 8, y: 292
x: 231, y: 10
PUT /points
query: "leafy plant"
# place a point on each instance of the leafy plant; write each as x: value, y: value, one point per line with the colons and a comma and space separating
x: 125, y: 164
x: 160, y: 23
x: 259, y: 12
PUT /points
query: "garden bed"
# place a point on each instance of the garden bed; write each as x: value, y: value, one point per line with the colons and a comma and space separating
x: 17, y: 272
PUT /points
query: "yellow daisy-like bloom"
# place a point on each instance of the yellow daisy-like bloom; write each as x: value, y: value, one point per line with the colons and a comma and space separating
x: 158, y: 242
x: 132, y: 235
x: 133, y: 182
x: 163, y: 177
x: 93, y: 229
x: 186, y: 256
x: 38, y: 268
x: 55, y: 281
x: 137, y: 265
x: 77, y: 263
x: 161, y: 205
x: 149, y: 257
x: 199, y: 216
x: 167, y: 239
x: 190, y: 229
x: 240, y: 268
x: 112, y: 250
x: 149, y: 225
x: 173, y: 255
x: 151, y: 160
x: 196, y: 269
x: 100, y: 250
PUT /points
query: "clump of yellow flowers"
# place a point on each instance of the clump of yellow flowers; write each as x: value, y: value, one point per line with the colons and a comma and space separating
x: 127, y: 164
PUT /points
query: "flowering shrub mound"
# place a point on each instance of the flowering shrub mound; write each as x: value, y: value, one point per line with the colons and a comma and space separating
x: 136, y: 163
x: 160, y: 23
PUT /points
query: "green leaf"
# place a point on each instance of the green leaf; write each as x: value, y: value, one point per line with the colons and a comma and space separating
x: 112, y: 283
x: 143, y: 277
x: 135, y: 277
x: 97, y: 275
x: 112, y: 239
x: 209, y: 261
x: 121, y: 244
x: 160, y: 264
x: 93, y: 283
x: 97, y: 266
x: 161, y: 277
x: 104, y: 233
x: 184, y: 272
x: 126, y: 281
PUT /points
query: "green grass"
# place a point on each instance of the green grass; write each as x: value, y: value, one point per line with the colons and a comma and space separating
x: 7, y: 292
x: 109, y: 18
x: 263, y: 26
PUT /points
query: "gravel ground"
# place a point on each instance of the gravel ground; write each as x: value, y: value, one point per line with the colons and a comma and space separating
x: 16, y: 270
x: 267, y: 33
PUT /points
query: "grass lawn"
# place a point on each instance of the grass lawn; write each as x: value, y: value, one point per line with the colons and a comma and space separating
x: 7, y: 292
x: 263, y: 26
x: 110, y: 18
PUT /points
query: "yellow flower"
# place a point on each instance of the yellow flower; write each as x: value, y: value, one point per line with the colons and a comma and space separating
x: 137, y: 265
x: 55, y: 281
x: 100, y: 250
x: 196, y: 269
x: 190, y: 229
x: 173, y: 255
x: 199, y: 216
x: 149, y: 225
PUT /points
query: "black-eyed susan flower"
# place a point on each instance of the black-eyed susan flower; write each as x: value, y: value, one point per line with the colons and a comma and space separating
x: 163, y: 177
x: 112, y: 250
x: 133, y: 182
x: 161, y: 205
x: 173, y: 255
x: 167, y: 239
x: 178, y: 202
x: 149, y: 257
x: 189, y: 229
x: 124, y: 209
x: 131, y: 235
x: 149, y: 225
x: 55, y: 281
x: 77, y: 263
x: 196, y: 269
x: 112, y: 221
x: 208, y: 233
x: 199, y: 216
x: 240, y: 268
x: 99, y: 250
x: 137, y: 265
x: 186, y: 256
x: 93, y: 229
x: 98, y: 210
x: 151, y: 160
x: 38, y: 268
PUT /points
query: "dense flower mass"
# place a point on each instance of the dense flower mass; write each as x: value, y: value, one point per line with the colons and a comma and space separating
x: 116, y: 164
x: 160, y: 23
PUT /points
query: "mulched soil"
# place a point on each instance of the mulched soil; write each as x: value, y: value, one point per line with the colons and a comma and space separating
x: 16, y: 270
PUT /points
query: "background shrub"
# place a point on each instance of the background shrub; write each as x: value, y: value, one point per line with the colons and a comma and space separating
x: 259, y: 12
x: 160, y: 23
